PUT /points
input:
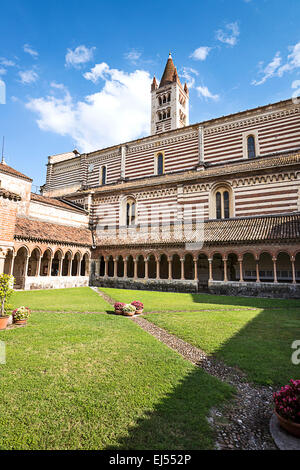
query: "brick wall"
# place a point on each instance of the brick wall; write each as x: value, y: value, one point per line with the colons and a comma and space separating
x: 8, y: 211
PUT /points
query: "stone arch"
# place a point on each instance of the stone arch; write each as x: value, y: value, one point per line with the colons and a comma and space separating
x: 163, y: 267
x: 140, y: 266
x: 266, y: 267
x: 152, y: 267
x: 56, y: 263
x: 84, y: 266
x: 20, y: 266
x: 203, y: 268
x: 249, y: 267
x: 221, y: 188
x: 120, y: 266
x: 111, y: 267
x: 33, y: 262
x: 45, y: 269
x: 217, y: 267
x: 233, y: 269
x: 176, y: 266
x: 8, y: 262
x: 188, y: 266
x: 130, y: 266
x: 284, y: 267
x: 66, y: 263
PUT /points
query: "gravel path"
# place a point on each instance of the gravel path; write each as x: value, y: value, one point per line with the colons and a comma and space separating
x: 243, y: 423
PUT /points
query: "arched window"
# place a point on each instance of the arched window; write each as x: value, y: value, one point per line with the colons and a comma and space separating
x: 103, y: 175
x: 164, y: 99
x: 159, y: 101
x: 169, y: 97
x: 221, y: 203
x: 251, y: 146
x: 160, y: 164
x: 130, y: 212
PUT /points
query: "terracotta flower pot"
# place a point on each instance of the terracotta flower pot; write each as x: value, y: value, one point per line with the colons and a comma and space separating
x: 129, y: 314
x: 21, y: 322
x: 289, y: 426
x: 3, y: 322
x: 118, y: 311
x: 138, y: 312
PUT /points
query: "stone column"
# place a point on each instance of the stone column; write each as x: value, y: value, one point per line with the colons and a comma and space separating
x: 125, y: 267
x: 240, y: 260
x: 60, y: 266
x: 169, y: 268
x: 182, y: 268
x: 38, y: 266
x: 106, y: 267
x: 225, y: 269
x: 70, y: 261
x: 274, y: 259
x: 146, y: 268
x: 134, y: 268
x: 12, y: 264
x: 26, y: 266
x: 2, y: 261
x: 97, y: 267
x: 156, y: 269
x: 115, y: 267
x: 49, y: 266
x: 210, y: 278
x: 257, y: 270
x: 78, y: 267
x: 293, y: 269
x: 196, y: 269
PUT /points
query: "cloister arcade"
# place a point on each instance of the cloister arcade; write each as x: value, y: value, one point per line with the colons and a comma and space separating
x: 247, y: 266
x: 49, y: 262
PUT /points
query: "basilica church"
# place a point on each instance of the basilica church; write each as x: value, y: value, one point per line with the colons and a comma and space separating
x: 207, y: 207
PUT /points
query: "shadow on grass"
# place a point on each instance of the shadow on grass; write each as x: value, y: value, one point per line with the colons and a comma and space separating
x: 179, y: 421
x: 255, y: 302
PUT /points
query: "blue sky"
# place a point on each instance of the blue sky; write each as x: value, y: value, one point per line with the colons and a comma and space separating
x: 77, y: 74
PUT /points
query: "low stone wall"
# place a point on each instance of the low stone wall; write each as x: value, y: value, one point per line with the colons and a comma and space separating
x: 255, y: 289
x: 55, y: 282
x: 163, y: 285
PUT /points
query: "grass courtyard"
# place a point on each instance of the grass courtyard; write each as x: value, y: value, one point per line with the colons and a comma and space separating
x: 77, y: 378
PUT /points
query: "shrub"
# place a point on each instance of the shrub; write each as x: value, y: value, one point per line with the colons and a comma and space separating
x: 128, y: 308
x: 138, y: 305
x: 119, y: 306
x: 21, y: 313
x: 6, y: 290
x: 287, y: 401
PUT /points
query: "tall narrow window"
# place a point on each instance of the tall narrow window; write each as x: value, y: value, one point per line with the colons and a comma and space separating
x: 130, y: 212
x: 251, y: 146
x: 103, y: 175
x: 222, y: 208
x: 226, y: 204
x: 160, y: 164
x: 218, y: 206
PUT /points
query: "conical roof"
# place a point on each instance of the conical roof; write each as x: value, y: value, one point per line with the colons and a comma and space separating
x: 170, y: 73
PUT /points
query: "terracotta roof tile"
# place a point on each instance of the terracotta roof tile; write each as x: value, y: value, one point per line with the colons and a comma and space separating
x: 9, y: 195
x: 11, y: 171
x: 45, y: 231
x: 170, y: 73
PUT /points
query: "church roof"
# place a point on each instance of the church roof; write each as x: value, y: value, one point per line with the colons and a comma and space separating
x: 4, y: 168
x: 56, y: 202
x: 52, y: 232
x: 170, y: 73
x: 9, y: 195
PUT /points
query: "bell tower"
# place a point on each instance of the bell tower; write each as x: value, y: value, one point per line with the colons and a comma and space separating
x: 169, y: 101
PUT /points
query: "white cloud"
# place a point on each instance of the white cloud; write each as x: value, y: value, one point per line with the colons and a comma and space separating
x: 6, y: 62
x: 29, y: 50
x: 118, y: 113
x: 203, y: 92
x: 187, y: 73
x: 28, y: 76
x: 97, y: 72
x: 133, y: 56
x: 2, y: 71
x: 230, y: 35
x: 201, y: 53
x: 80, y: 55
x: 275, y: 67
x: 270, y: 70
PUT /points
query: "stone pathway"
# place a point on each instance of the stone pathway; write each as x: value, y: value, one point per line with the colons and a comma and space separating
x: 243, y: 423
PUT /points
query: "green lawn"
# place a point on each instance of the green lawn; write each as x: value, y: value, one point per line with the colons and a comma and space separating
x: 170, y: 301
x: 80, y: 299
x: 76, y: 381
x: 258, y: 342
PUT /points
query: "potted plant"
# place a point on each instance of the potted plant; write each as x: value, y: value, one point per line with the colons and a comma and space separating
x: 287, y: 407
x: 20, y: 315
x: 138, y: 305
x: 119, y: 308
x: 129, y: 310
x: 6, y: 290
